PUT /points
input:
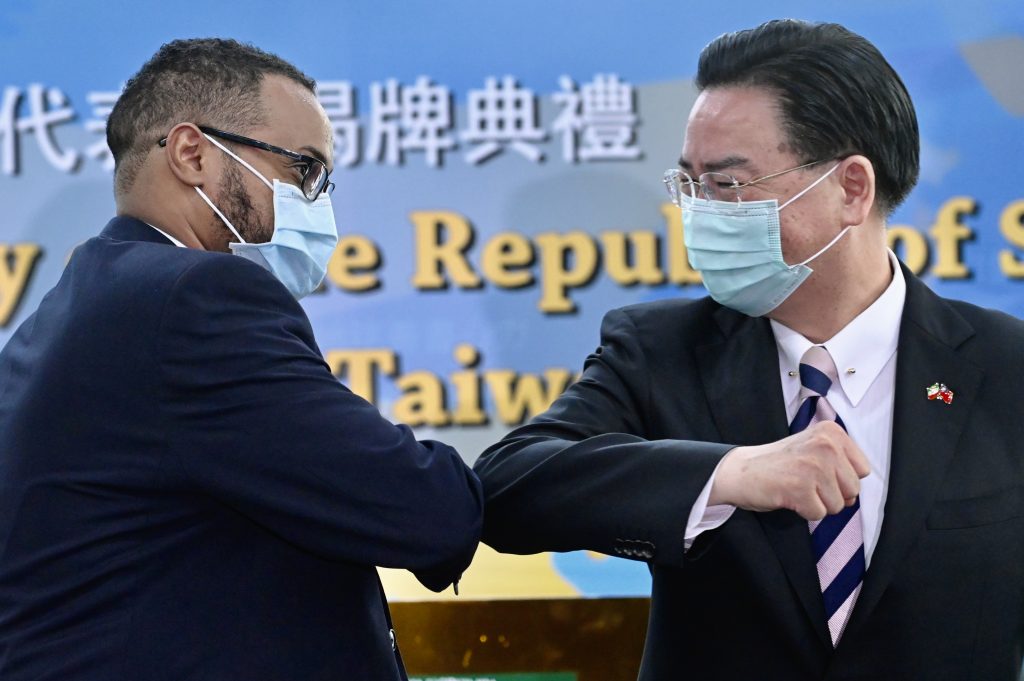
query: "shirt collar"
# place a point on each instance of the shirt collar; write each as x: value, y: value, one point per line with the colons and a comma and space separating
x: 169, y: 237
x: 866, y: 344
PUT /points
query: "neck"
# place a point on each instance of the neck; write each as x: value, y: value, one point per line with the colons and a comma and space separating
x: 822, y: 307
x: 150, y: 212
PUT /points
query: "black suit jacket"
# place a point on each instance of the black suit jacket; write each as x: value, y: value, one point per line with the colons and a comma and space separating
x: 187, y: 493
x: 617, y: 462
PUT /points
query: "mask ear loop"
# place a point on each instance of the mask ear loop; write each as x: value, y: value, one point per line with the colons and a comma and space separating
x: 246, y: 163
x: 827, y: 246
x: 801, y: 193
x: 249, y: 167
x: 220, y: 215
x: 798, y: 195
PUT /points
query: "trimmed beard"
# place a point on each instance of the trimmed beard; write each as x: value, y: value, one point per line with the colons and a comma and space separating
x: 236, y: 204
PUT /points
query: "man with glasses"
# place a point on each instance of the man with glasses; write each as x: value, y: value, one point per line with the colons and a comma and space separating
x: 186, y: 491
x: 822, y: 461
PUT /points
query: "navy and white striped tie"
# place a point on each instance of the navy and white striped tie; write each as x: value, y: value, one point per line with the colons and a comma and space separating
x: 838, y: 540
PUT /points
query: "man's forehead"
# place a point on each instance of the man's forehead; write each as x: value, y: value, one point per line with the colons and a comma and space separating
x: 295, y: 116
x: 732, y: 128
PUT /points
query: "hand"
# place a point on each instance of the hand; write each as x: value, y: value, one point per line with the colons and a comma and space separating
x: 815, y: 472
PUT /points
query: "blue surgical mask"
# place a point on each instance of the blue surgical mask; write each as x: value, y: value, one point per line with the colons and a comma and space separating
x: 737, y: 248
x: 304, y: 238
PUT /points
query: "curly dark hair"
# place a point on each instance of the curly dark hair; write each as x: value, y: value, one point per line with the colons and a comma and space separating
x: 212, y: 81
x: 837, y: 93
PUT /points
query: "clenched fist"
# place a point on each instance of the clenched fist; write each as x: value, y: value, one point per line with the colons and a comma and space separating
x: 815, y: 472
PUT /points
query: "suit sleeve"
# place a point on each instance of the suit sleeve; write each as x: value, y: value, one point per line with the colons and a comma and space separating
x: 583, y: 476
x: 256, y: 419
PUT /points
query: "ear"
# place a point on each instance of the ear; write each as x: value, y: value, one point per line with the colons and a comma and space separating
x: 857, y: 179
x: 187, y: 154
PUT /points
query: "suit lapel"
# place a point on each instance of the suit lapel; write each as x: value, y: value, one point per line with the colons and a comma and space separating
x: 924, y: 434
x: 740, y: 373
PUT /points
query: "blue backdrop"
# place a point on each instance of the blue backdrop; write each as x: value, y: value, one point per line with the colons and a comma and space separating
x: 475, y: 266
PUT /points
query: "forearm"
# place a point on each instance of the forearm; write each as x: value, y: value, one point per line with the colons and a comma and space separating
x: 551, y: 494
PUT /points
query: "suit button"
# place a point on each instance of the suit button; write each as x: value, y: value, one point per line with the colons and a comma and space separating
x: 391, y: 633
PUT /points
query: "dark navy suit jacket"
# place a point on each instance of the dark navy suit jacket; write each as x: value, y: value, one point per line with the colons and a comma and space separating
x: 186, y: 491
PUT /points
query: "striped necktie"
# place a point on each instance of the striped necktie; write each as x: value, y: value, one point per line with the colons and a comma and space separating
x: 838, y: 540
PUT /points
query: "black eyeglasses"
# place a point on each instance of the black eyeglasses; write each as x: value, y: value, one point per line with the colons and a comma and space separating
x: 315, y: 176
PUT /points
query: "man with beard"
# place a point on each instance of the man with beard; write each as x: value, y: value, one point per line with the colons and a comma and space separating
x: 823, y: 467
x: 186, y: 491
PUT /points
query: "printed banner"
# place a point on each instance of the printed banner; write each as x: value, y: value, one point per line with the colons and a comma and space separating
x: 499, y: 185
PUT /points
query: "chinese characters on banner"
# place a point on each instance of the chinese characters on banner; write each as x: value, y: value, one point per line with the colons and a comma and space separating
x: 597, y: 121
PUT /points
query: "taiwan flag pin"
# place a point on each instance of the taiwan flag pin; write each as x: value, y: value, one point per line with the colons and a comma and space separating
x: 939, y: 391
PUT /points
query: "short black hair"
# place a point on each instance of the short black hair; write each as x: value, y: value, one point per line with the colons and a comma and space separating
x: 837, y: 94
x: 209, y: 81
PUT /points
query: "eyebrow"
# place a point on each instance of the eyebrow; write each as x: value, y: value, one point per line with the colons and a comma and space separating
x: 315, y: 153
x: 716, y: 166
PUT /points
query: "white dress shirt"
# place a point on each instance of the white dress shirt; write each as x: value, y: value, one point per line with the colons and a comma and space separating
x: 864, y: 352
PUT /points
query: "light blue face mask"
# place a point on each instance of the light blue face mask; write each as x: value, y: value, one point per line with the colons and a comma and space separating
x: 304, y: 238
x: 737, y: 248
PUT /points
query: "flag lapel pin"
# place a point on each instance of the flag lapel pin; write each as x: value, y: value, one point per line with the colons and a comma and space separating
x: 939, y: 391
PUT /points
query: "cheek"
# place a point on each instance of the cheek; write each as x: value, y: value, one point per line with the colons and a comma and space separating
x: 798, y: 235
x: 266, y: 206
x: 262, y: 202
x: 260, y: 214
x: 805, y: 229
x: 803, y: 233
x: 265, y: 211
